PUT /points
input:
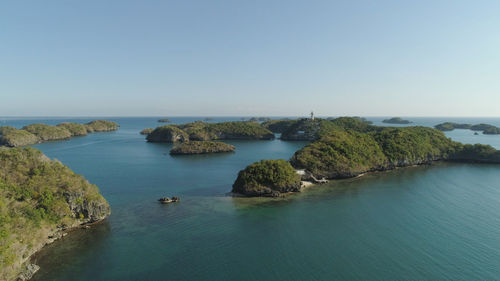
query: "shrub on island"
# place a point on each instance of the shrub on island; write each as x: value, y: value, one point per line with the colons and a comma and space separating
x: 10, y: 136
x: 396, y: 120
x: 201, y: 147
x: 146, y: 131
x: 48, y: 133
x: 101, y: 126
x: 167, y: 133
x: 345, y: 153
x: 267, y: 178
x: 76, y: 129
x: 202, y: 131
x: 39, y: 200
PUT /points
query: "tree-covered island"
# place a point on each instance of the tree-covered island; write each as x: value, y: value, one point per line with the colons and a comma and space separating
x: 202, y: 131
x: 487, y: 129
x: 40, y: 200
x: 201, y: 147
x: 396, y: 120
x: 347, y: 147
x: 37, y: 133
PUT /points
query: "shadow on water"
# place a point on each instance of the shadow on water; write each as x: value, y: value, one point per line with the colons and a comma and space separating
x: 60, y: 256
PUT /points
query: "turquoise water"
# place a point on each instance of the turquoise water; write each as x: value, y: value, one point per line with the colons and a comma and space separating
x: 439, y: 222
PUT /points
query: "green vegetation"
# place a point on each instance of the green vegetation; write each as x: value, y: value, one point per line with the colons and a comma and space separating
x: 101, y: 126
x: 450, y: 126
x: 146, y: 131
x: 308, y: 129
x: 39, y: 198
x: 476, y: 153
x: 48, y: 133
x: 76, y: 129
x: 278, y: 126
x: 267, y: 178
x: 396, y: 120
x: 340, y: 154
x: 36, y: 133
x: 351, y: 147
x: 241, y: 130
x: 347, y: 153
x: 167, y: 133
x: 10, y: 136
x: 486, y: 128
x: 201, y: 147
x: 202, y: 131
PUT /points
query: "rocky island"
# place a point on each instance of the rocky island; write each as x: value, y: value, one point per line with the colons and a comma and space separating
x: 37, y: 133
x: 351, y: 148
x: 396, y: 120
x: 164, y: 120
x: 202, y: 131
x: 201, y: 147
x: 40, y: 200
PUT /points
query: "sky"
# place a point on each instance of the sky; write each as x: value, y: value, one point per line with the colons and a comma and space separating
x: 249, y: 58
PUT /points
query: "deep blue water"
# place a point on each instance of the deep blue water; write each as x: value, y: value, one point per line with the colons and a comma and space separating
x: 439, y: 222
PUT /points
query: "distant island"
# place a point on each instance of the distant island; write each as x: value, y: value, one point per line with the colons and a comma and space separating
x: 146, y: 131
x: 37, y: 133
x: 202, y: 131
x: 40, y: 201
x: 164, y: 120
x: 201, y: 147
x: 487, y: 129
x: 396, y: 120
x: 348, y: 147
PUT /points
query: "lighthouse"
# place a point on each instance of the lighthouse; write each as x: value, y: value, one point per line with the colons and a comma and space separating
x: 312, y: 116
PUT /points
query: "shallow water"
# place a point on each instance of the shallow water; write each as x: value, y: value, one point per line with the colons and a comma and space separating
x: 439, y: 222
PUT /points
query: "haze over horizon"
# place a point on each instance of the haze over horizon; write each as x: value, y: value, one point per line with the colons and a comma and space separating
x: 242, y: 58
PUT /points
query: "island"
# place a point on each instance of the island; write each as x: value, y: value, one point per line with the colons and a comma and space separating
x: 75, y: 129
x: 12, y: 137
x: 352, y: 148
x: 202, y: 131
x: 485, y: 128
x: 37, y: 133
x: 278, y: 126
x: 396, y: 120
x: 40, y: 201
x: 201, y: 147
x: 101, y: 126
x: 164, y: 120
x: 48, y: 133
x: 146, y: 131
x: 267, y: 178
x: 310, y: 129
x: 168, y: 133
x: 450, y: 126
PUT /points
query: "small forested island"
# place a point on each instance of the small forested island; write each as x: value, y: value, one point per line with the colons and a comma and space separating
x: 202, y: 131
x: 348, y: 147
x: 164, y: 120
x: 36, y: 133
x: 396, y: 120
x: 485, y: 128
x: 201, y: 147
x: 40, y: 201
x: 267, y: 178
x: 146, y: 131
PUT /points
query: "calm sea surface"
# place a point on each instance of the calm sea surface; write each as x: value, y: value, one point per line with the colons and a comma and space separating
x: 439, y: 222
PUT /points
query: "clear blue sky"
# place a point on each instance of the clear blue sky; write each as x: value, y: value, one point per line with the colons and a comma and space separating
x: 263, y: 57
